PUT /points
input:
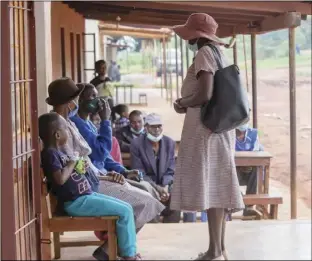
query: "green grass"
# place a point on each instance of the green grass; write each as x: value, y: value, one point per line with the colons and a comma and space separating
x: 303, y: 60
x: 303, y: 65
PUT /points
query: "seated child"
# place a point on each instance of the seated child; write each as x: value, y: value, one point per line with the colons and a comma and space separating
x: 122, y: 111
x: 115, y: 152
x: 70, y: 186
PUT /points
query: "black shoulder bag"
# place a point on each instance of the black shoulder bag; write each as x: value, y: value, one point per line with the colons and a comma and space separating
x: 228, y: 106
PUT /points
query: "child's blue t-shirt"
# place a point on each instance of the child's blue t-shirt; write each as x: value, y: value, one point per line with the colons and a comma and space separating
x: 77, y: 185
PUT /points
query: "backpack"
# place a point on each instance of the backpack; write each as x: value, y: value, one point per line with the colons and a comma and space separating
x: 228, y: 107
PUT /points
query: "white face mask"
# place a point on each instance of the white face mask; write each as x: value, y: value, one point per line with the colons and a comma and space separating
x: 153, y: 138
x: 193, y: 47
x: 137, y: 132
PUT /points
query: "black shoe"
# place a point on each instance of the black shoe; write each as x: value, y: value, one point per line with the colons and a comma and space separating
x: 100, y: 254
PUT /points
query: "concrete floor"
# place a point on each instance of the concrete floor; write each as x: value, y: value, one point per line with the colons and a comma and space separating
x: 246, y: 240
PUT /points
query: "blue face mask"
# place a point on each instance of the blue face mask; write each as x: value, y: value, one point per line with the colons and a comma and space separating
x: 193, y: 47
x: 137, y: 132
x: 74, y: 111
x: 153, y: 138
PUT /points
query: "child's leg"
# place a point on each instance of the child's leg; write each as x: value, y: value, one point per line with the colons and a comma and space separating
x: 101, y: 205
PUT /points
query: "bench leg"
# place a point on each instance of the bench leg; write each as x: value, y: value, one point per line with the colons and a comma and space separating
x: 273, y: 211
x: 46, y: 244
x: 57, y: 246
x: 112, y: 241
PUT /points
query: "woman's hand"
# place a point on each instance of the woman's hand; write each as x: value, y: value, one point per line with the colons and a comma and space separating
x: 105, y: 111
x: 178, y: 108
x: 133, y: 174
x: 164, y: 194
x: 116, y: 177
x: 86, y: 164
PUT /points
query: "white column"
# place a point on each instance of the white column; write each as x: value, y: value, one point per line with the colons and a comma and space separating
x: 43, y: 52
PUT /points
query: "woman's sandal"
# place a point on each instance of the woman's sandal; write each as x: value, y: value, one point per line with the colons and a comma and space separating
x: 203, y: 256
x: 225, y: 255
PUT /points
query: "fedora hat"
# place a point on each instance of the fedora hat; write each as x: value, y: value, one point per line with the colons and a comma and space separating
x: 62, y: 91
x: 198, y: 25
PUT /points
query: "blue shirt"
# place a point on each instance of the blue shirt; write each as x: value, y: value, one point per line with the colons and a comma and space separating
x: 77, y: 185
x: 100, y: 141
x: 250, y: 141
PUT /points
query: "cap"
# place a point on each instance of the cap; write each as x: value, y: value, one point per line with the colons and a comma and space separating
x: 153, y: 119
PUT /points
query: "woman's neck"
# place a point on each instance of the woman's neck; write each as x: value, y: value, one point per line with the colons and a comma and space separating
x: 83, y: 115
x: 202, y: 42
x: 61, y: 111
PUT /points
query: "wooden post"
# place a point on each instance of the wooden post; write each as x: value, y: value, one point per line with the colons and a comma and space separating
x: 164, y: 67
x: 293, y: 136
x: 254, y: 81
x: 182, y: 63
x: 235, y: 53
x: 246, y: 66
x: 187, y: 57
x: 170, y: 75
x: 102, y: 46
x: 177, y: 65
x: 161, y: 65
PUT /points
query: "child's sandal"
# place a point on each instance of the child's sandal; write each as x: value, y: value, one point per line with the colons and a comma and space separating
x: 136, y: 257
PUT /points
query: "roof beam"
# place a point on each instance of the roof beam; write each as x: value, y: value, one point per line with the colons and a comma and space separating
x: 111, y: 29
x: 271, y: 7
x: 181, y: 7
x: 184, y: 17
x: 179, y: 17
x: 287, y: 20
x: 152, y: 20
x: 134, y: 34
x: 223, y: 30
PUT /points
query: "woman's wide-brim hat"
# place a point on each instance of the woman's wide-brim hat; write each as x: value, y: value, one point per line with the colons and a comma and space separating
x: 198, y: 25
x: 62, y: 91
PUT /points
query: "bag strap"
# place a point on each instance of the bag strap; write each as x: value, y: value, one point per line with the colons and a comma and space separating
x: 217, y: 55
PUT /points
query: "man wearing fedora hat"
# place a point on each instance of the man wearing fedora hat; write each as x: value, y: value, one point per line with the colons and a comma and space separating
x: 205, y: 176
x: 62, y: 91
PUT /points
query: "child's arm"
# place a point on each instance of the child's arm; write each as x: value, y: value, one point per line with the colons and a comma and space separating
x: 62, y: 175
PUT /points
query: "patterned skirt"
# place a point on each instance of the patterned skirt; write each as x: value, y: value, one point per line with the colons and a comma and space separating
x: 205, y: 175
x: 145, y: 207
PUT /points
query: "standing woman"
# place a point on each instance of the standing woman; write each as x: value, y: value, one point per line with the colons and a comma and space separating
x: 205, y: 177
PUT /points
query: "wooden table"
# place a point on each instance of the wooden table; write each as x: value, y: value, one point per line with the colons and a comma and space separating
x: 260, y: 159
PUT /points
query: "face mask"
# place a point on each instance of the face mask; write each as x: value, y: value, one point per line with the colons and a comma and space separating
x: 153, y: 138
x: 193, y: 47
x: 243, y: 127
x: 136, y: 132
x: 92, y: 106
x: 74, y: 111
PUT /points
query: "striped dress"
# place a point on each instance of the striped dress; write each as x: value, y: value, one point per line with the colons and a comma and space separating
x: 205, y: 175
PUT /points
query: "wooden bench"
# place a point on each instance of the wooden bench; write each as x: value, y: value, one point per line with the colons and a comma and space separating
x: 59, y: 224
x: 262, y: 201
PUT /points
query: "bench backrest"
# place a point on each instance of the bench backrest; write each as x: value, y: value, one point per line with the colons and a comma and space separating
x: 48, y: 200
